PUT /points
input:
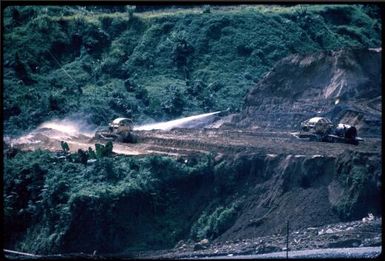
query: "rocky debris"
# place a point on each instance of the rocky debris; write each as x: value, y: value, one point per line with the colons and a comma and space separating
x: 182, y: 245
x: 203, y: 244
x: 369, y: 218
x: 349, y: 234
x: 262, y: 249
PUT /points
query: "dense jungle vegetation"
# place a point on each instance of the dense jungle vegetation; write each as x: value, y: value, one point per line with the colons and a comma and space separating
x: 118, y: 203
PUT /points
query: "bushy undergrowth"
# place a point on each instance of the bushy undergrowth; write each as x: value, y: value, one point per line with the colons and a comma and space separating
x: 212, y: 224
x: 356, y: 173
x: 111, y: 61
x: 116, y: 203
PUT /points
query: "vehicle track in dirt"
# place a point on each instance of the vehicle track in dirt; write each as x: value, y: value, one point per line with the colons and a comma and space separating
x: 183, y: 142
x: 237, y: 141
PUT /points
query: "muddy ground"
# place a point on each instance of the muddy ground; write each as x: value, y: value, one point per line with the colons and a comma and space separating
x: 182, y: 142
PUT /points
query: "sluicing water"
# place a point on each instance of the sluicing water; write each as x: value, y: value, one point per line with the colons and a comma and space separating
x: 66, y: 128
x: 186, y: 122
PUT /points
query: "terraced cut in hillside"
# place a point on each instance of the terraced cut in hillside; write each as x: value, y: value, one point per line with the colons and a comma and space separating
x: 343, y: 85
x: 254, y: 181
x: 226, y: 181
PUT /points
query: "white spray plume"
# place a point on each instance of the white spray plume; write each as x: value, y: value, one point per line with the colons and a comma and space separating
x: 68, y: 126
x: 55, y: 129
x: 187, y: 122
x: 65, y: 127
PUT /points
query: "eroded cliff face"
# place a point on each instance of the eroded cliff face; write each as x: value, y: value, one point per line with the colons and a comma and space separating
x: 262, y: 193
x: 308, y: 191
x: 344, y: 85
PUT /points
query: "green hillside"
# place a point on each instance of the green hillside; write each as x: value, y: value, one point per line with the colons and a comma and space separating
x: 158, y: 63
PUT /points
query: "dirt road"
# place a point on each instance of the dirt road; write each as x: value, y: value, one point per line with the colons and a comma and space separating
x: 190, y: 141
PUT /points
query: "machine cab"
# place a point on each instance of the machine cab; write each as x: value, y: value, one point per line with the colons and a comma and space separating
x: 317, y: 124
x: 121, y: 124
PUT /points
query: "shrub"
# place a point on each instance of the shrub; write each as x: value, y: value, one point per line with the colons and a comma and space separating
x: 54, y: 103
x: 103, y: 150
x: 195, y: 88
x: 24, y: 177
x: 106, y: 22
x: 22, y: 71
x: 206, y: 9
x: 95, y: 40
x: 173, y: 102
x: 359, y: 179
x: 182, y: 51
x: 212, y: 225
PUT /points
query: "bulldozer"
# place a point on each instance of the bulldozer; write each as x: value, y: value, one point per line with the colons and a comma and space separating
x: 322, y: 129
x: 119, y: 130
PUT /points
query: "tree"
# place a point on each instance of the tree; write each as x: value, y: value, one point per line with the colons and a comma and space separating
x: 64, y: 146
x: 174, y: 101
x: 82, y: 156
x: 103, y: 150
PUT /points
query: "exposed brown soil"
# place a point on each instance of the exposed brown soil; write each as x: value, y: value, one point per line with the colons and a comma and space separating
x: 344, y: 85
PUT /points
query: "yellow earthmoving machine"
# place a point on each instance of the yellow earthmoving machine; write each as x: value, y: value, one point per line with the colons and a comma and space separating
x: 322, y: 129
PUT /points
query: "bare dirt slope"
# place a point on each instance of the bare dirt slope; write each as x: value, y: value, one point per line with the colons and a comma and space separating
x: 360, y: 233
x: 344, y: 85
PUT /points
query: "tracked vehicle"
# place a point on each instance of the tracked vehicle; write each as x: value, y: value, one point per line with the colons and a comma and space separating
x: 119, y: 129
x: 322, y: 129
